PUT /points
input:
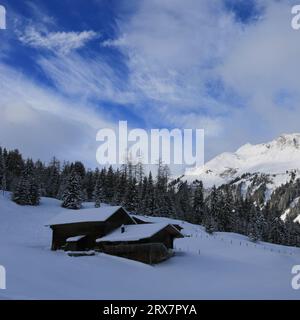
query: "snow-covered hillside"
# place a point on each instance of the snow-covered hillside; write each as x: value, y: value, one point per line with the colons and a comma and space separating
x: 278, y: 160
x: 222, y: 266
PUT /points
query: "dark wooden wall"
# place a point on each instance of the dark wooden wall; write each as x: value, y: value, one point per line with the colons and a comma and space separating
x: 163, y: 236
x: 92, y: 229
x: 150, y: 253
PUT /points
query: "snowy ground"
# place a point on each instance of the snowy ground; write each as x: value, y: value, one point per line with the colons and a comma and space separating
x: 223, y: 266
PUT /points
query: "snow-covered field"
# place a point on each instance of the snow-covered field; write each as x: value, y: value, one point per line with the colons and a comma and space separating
x: 222, y: 266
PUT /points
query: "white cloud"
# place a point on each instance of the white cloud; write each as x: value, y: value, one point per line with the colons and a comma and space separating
x: 86, y: 78
x: 61, y: 42
x: 263, y: 65
x: 266, y: 55
x: 175, y: 47
x: 172, y: 49
x: 41, y: 123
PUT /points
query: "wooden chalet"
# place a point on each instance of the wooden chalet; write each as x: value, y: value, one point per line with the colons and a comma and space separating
x: 112, y: 230
x: 149, y: 243
x: 77, y: 229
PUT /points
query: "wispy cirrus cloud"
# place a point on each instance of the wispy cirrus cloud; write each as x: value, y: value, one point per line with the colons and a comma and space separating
x: 86, y: 78
x: 63, y: 118
x: 61, y: 42
x: 42, y: 122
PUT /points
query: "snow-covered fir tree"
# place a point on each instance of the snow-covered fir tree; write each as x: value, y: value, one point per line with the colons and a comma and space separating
x: 210, y: 223
x: 72, y: 196
x: 184, y: 201
x: 198, y: 202
x: 149, y: 200
x: 53, y: 178
x: 109, y: 185
x: 27, y: 191
x: 98, y: 193
x: 131, y: 199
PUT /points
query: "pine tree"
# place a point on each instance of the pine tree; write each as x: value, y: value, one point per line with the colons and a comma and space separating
x: 64, y: 176
x: 210, y: 223
x: 277, y: 232
x: 40, y: 177
x: 15, y: 166
x: 164, y: 205
x: 121, y: 188
x: 34, y: 192
x: 27, y: 190
x: 198, y: 202
x: 143, y: 196
x: 131, y: 199
x: 213, y: 206
x: 256, y: 225
x: 184, y: 202
x: 98, y: 193
x: 139, y: 172
x: 109, y: 185
x: 72, y: 197
x: 21, y: 192
x: 53, y: 178
x: 89, y: 183
x: 79, y: 168
x: 226, y: 208
x: 149, y: 200
x: 214, y: 218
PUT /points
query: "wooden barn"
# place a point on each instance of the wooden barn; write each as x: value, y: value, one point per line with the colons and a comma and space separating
x: 76, y: 230
x: 148, y: 243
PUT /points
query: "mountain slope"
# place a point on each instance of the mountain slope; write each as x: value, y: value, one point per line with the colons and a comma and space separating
x: 258, y: 171
x: 278, y: 159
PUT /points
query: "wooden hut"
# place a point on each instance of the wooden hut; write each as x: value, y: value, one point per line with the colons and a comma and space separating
x: 78, y: 229
x: 149, y: 243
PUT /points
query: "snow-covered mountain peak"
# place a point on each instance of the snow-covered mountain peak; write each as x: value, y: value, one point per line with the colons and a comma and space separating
x: 277, y: 158
x: 287, y: 141
x: 283, y: 142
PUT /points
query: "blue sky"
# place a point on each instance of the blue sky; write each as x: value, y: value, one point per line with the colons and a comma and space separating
x: 69, y: 68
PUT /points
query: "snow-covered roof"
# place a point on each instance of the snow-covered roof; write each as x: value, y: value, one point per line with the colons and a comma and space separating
x: 76, y: 238
x: 136, y: 232
x: 85, y: 215
x: 147, y: 219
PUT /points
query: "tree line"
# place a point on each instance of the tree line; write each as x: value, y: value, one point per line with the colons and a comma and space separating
x: 219, y: 209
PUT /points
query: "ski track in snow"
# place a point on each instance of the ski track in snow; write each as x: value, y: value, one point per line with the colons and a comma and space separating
x: 219, y: 266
